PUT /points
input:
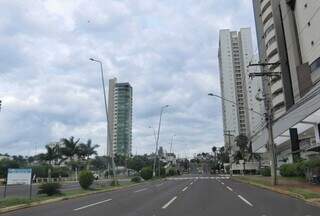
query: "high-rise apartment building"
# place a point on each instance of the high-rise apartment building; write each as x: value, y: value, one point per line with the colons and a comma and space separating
x: 270, y: 42
x: 120, y: 118
x: 288, y: 33
x: 237, y: 89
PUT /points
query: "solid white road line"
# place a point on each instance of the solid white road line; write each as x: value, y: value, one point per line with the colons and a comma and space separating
x: 93, y: 204
x: 229, y: 188
x: 137, y: 191
x: 168, y: 203
x: 184, y: 189
x: 244, y: 200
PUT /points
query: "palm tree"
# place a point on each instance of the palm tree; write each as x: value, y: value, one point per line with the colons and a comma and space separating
x: 86, y: 150
x: 52, y: 153
x: 70, y: 147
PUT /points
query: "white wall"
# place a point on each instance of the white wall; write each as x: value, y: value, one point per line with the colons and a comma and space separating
x: 227, y: 83
x: 253, y: 85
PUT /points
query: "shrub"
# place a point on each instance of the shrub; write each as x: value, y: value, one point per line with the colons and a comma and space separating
x: 265, y: 171
x: 61, y: 171
x: 49, y: 189
x: 172, y: 172
x: 86, y: 179
x: 146, y: 173
x: 288, y: 170
x: 136, y: 179
x: 162, y: 172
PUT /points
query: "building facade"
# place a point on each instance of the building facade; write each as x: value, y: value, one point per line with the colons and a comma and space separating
x: 297, y: 35
x: 120, y: 118
x: 239, y: 105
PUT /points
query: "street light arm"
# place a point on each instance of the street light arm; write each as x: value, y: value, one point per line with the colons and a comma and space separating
x: 222, y: 98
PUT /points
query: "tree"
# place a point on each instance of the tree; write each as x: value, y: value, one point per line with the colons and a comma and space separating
x: 52, y: 153
x: 86, y: 150
x: 70, y: 147
x: 242, y: 142
x: 223, y: 156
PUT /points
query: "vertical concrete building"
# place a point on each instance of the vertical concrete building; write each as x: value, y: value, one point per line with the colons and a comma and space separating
x: 120, y: 118
x: 270, y: 43
x: 295, y: 26
x: 237, y: 89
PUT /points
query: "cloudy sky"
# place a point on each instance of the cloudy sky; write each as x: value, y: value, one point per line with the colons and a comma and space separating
x: 166, y: 49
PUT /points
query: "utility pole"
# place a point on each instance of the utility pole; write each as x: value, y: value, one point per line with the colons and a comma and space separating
x: 269, y: 113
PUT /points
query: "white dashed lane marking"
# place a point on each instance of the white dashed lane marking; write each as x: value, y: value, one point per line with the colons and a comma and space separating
x: 93, y: 204
x: 169, y: 203
x: 137, y: 191
x: 244, y: 200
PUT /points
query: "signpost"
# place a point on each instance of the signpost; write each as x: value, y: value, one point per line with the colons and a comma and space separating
x: 19, y: 177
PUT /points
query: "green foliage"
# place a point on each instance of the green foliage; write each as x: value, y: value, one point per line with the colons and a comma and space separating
x: 60, y: 172
x: 49, y: 189
x: 265, y: 171
x: 162, y: 172
x: 100, y: 163
x: 146, y: 173
x: 41, y: 171
x: 138, y: 162
x: 5, y: 164
x: 172, y: 172
x: 136, y: 179
x: 86, y: 179
x: 295, y: 169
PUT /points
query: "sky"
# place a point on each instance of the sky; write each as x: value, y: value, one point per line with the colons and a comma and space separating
x: 166, y: 49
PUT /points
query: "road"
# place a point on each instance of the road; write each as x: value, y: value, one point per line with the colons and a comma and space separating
x: 182, y: 196
x: 23, y: 190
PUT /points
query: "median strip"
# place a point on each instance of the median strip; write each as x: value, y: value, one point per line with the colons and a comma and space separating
x: 169, y: 203
x: 244, y: 200
x: 93, y: 204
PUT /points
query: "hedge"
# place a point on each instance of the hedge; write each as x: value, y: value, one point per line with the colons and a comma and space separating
x: 299, y: 169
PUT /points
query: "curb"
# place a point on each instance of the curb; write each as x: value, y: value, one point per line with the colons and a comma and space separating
x: 313, y: 202
x: 53, y: 200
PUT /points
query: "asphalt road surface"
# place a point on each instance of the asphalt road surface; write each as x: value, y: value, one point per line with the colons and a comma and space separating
x: 181, y: 196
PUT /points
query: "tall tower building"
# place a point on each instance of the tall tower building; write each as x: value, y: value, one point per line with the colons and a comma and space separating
x: 120, y: 118
x: 237, y: 89
x: 271, y: 44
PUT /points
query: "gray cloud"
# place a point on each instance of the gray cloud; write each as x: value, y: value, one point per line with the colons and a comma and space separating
x: 166, y: 49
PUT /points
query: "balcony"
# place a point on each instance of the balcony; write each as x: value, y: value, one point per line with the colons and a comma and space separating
x: 270, y: 35
x: 271, y: 48
x: 274, y: 59
x: 277, y: 99
x: 276, y: 86
x: 263, y: 3
x: 267, y: 15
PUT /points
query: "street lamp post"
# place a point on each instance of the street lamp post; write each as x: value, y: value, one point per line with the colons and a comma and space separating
x: 106, y: 111
x: 171, y: 143
x: 227, y: 133
x: 157, y: 140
